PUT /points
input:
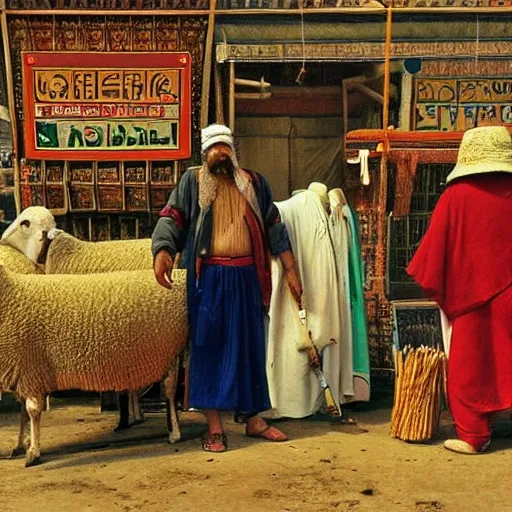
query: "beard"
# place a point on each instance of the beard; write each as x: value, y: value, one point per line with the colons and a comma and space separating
x: 223, y: 168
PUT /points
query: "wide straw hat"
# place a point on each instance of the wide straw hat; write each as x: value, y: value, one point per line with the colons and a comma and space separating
x: 486, y: 149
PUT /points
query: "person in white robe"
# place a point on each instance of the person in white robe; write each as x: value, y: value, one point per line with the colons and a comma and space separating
x: 295, y: 391
x: 338, y: 358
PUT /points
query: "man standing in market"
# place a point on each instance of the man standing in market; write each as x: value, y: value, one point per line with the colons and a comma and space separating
x: 464, y: 263
x: 224, y: 222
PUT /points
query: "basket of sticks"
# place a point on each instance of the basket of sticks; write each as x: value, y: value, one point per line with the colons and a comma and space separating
x: 419, y: 387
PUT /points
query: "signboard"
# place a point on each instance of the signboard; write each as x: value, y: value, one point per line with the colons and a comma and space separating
x: 458, y: 104
x: 107, y: 106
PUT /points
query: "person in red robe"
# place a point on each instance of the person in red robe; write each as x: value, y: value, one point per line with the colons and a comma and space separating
x: 464, y: 263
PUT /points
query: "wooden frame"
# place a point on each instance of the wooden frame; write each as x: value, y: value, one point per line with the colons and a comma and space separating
x: 109, y: 182
x: 55, y: 180
x: 123, y: 100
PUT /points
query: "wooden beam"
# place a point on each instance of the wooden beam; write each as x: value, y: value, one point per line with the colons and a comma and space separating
x: 371, y: 93
x: 252, y: 96
x: 338, y: 10
x: 231, y: 100
x: 11, y: 102
x: 219, y: 95
x: 387, y: 77
x: 106, y: 12
x: 207, y: 66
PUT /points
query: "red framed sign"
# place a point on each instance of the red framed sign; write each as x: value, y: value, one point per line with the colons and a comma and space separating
x: 107, y: 106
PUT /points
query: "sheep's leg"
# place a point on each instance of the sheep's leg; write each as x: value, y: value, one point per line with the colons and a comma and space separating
x: 124, y: 412
x: 170, y: 384
x: 23, y: 440
x: 136, y: 411
x: 34, y: 408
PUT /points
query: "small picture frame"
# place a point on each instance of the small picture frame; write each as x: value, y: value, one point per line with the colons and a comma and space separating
x: 108, y: 173
x: 416, y: 324
x: 31, y: 195
x: 159, y: 197
x: 110, y: 198
x: 54, y: 172
x: 81, y: 172
x: 136, y: 198
x: 135, y: 173
x: 31, y: 172
x: 81, y: 198
x: 162, y: 173
x: 56, y: 200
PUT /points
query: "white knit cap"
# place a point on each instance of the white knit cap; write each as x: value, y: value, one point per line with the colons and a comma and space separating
x: 215, y: 134
x: 485, y: 149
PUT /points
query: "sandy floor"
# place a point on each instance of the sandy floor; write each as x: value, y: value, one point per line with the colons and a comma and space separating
x: 324, y: 467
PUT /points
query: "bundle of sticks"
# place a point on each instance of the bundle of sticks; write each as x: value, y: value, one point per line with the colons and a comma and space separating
x: 419, y: 385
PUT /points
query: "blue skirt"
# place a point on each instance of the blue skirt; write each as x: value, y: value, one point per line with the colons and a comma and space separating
x: 227, y: 362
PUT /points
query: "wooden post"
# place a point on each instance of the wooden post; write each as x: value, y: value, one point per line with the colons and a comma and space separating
x: 380, y: 264
x: 232, y: 96
x: 219, y: 96
x: 387, y: 78
x: 11, y: 103
x: 207, y: 65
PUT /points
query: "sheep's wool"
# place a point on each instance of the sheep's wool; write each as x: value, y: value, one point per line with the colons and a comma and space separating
x: 113, y: 332
x: 68, y: 255
x: 15, y: 261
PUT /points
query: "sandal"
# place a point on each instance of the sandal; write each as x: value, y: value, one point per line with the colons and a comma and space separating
x: 266, y: 434
x: 214, y: 443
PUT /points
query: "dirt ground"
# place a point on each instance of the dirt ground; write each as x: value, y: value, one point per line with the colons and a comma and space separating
x: 324, y: 467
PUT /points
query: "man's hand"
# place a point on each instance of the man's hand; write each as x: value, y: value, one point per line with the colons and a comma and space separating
x: 162, y: 267
x: 293, y: 279
x: 292, y: 276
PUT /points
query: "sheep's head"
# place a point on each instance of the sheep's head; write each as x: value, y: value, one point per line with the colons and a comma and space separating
x: 29, y: 233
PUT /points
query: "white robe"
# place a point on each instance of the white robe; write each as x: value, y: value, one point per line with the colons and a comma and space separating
x: 338, y: 359
x: 294, y: 389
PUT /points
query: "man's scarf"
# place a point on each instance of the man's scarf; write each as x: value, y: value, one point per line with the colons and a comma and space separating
x: 208, y: 184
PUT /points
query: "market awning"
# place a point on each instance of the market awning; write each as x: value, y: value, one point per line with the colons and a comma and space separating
x: 360, y: 38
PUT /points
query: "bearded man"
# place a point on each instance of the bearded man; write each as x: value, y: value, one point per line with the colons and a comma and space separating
x: 464, y: 263
x: 224, y: 222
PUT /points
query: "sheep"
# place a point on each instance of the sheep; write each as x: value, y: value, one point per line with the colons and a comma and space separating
x: 15, y: 261
x: 84, y: 333
x: 28, y: 233
x: 66, y: 254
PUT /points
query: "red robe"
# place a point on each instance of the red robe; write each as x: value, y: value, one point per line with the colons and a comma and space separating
x: 464, y: 263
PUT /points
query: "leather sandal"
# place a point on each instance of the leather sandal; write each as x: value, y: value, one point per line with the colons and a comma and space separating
x: 209, y: 440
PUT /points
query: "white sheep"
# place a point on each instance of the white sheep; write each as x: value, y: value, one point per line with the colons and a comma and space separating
x: 69, y: 255
x: 29, y: 233
x: 120, y: 332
